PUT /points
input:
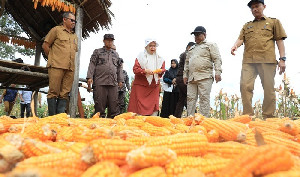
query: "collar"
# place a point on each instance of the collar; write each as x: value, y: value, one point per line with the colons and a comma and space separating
x: 262, y: 18
x: 202, y: 42
x: 65, y: 29
x: 110, y: 50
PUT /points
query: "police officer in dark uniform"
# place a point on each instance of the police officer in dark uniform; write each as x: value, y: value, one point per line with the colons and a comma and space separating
x: 105, y: 75
x: 122, y: 90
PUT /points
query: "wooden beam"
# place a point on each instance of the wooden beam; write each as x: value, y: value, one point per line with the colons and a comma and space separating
x: 81, y: 4
x: 11, y: 80
x: 19, y: 71
x: 74, y: 91
x: 51, y: 16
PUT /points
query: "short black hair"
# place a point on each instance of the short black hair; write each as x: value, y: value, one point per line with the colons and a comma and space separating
x: 66, y: 14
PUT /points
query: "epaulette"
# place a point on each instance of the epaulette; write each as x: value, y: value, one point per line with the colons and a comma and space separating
x: 272, y: 17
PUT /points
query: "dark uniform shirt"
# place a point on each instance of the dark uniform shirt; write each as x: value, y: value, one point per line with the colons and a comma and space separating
x: 125, y: 82
x: 63, y: 47
x: 105, y: 67
x: 259, y: 37
x: 181, y: 64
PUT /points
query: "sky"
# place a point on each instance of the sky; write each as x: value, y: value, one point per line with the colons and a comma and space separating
x: 170, y: 22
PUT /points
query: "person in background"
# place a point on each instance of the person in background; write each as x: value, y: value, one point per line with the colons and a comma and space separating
x: 122, y: 90
x: 201, y: 60
x: 148, y: 69
x: 60, y: 45
x: 105, y: 75
x: 179, y: 83
x: 259, y: 37
x: 171, y: 91
x: 25, y: 97
x: 9, y: 97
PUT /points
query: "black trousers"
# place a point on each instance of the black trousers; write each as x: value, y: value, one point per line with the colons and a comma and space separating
x: 182, y: 99
x: 169, y: 103
x: 27, y: 108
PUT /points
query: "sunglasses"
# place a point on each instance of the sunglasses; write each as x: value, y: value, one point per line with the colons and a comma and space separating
x: 72, y: 20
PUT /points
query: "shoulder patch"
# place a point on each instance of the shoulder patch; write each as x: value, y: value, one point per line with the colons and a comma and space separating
x: 191, y: 48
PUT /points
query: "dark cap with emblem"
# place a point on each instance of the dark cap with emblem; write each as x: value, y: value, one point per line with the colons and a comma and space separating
x: 109, y: 36
x: 199, y: 29
x: 252, y: 1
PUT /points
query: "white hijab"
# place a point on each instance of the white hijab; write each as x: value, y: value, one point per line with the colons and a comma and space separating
x: 152, y: 62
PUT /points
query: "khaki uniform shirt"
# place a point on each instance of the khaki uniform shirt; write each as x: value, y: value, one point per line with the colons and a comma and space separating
x: 63, y: 46
x: 105, y: 68
x: 200, y: 61
x: 259, y: 37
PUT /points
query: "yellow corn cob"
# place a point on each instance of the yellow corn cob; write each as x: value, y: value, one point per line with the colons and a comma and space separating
x: 228, y: 149
x: 120, y: 121
x: 173, y: 129
x: 188, y: 121
x: 278, y: 133
x: 33, y: 147
x: 64, y: 163
x: 150, y: 156
x: 103, y: 169
x: 10, y: 154
x: 128, y: 115
x: 289, y: 173
x: 289, y: 127
x: 182, y: 128
x: 60, y: 145
x: 150, y: 172
x: 213, y: 136
x: 60, y: 119
x: 192, y: 172
x: 198, y: 129
x: 264, y: 125
x: 192, y: 144
x: 135, y: 122
x: 126, y: 134
x: 40, y: 131
x: 158, y: 121
x: 114, y: 150
x: 175, y: 120
x: 292, y: 146
x: 184, y: 164
x: 65, y: 134
x: 242, y: 119
x: 34, y: 171
x: 77, y: 147
x: 296, y: 160
x: 228, y: 130
x: 154, y: 130
x: 83, y: 134
x: 139, y: 141
x: 119, y: 128
x: 261, y: 160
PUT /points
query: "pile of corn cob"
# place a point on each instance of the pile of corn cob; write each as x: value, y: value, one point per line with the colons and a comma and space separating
x: 149, y: 146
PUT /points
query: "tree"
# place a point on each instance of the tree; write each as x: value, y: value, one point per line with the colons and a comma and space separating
x: 10, y: 27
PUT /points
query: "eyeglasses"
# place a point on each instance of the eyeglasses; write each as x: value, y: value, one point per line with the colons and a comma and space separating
x: 72, y: 20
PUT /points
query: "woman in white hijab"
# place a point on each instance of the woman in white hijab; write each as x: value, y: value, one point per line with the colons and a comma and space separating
x: 148, y: 69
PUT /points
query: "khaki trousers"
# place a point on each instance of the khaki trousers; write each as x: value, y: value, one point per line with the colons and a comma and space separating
x: 8, y: 106
x: 266, y: 72
x: 203, y: 89
x: 60, y: 83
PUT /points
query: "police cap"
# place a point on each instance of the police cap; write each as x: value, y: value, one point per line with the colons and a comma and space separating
x: 252, y: 1
x: 199, y: 29
x: 109, y: 36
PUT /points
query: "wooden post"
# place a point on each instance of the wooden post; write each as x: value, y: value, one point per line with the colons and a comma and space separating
x: 38, y: 51
x: 74, y: 91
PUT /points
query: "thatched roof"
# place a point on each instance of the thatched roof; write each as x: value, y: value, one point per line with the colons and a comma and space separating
x: 37, y: 22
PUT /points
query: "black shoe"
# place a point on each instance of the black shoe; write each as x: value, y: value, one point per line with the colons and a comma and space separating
x: 51, y: 106
x: 61, y: 105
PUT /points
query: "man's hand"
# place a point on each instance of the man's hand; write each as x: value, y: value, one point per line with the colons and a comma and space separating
x: 281, y: 66
x: 185, y: 80
x: 174, y: 81
x: 233, y: 49
x: 218, y: 78
x: 120, y: 84
x: 148, y: 71
x: 89, y: 83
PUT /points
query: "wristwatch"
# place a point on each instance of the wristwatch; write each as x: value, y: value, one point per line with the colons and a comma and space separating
x: 282, y: 58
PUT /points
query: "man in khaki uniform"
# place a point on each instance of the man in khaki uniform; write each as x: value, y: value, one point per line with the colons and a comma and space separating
x: 60, y: 45
x: 105, y: 74
x: 259, y: 37
x: 202, y: 58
